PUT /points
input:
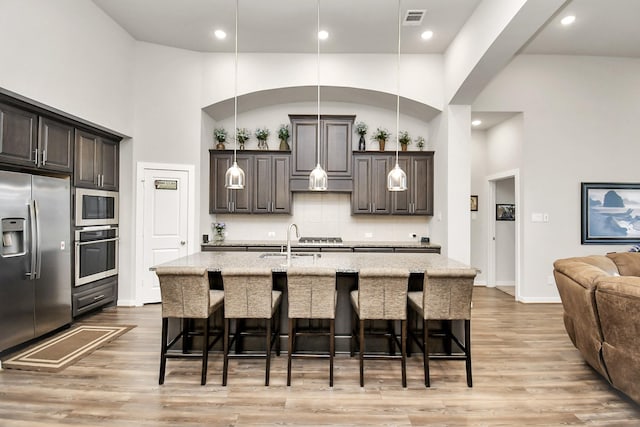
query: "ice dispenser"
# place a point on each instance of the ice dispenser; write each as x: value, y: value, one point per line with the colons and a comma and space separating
x: 13, y: 237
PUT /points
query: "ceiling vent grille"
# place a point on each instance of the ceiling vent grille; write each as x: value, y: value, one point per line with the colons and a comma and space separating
x: 413, y: 17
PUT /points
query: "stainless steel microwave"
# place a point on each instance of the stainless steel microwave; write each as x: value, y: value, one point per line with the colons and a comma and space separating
x: 96, y: 207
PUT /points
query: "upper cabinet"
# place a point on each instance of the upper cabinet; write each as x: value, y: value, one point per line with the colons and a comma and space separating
x: 266, y: 186
x: 335, y: 150
x: 96, y: 162
x: 33, y: 141
x: 370, y: 195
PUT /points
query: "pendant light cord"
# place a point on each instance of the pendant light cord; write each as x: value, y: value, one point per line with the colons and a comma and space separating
x: 318, y: 72
x: 235, y: 91
x: 398, y: 85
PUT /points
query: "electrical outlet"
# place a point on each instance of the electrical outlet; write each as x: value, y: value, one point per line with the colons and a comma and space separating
x: 271, y: 234
x: 412, y: 235
x: 368, y: 235
x: 551, y: 281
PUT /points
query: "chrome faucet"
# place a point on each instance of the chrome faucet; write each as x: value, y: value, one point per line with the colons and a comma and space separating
x: 292, y: 225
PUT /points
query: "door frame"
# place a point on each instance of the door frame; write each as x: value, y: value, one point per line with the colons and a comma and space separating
x: 141, y: 167
x: 491, y: 228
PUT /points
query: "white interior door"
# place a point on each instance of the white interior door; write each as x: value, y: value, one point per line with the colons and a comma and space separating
x: 165, y: 230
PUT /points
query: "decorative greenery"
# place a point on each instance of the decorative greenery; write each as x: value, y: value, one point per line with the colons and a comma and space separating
x: 220, y: 134
x: 262, y: 134
x: 361, y: 128
x: 420, y: 142
x: 381, y: 134
x: 404, y: 138
x: 283, y: 132
x: 219, y: 227
x: 242, y: 134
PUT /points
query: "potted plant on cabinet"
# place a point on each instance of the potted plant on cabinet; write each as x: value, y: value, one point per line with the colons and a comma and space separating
x: 420, y: 143
x: 242, y: 134
x: 220, y: 135
x: 283, y: 134
x: 361, y: 129
x: 404, y: 139
x: 381, y: 135
x: 262, y: 134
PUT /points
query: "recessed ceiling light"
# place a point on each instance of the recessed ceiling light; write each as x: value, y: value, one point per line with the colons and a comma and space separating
x: 427, y: 35
x: 220, y: 35
x: 568, y: 20
x: 476, y: 122
x: 323, y: 35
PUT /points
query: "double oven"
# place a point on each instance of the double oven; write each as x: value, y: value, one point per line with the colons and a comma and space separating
x: 96, y: 235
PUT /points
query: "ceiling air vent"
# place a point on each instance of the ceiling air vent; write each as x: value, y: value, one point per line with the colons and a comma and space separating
x: 414, y: 17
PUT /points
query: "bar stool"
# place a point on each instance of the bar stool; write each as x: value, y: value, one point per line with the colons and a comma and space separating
x: 311, y: 295
x: 381, y: 295
x: 249, y: 294
x: 444, y: 298
x: 185, y: 295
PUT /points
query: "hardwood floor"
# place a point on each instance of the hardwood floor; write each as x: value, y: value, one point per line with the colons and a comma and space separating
x: 526, y: 372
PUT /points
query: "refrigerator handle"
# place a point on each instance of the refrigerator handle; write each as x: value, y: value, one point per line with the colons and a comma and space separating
x: 32, y: 239
x: 38, y: 246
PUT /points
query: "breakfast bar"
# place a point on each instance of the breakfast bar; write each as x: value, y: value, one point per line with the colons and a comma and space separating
x: 346, y: 264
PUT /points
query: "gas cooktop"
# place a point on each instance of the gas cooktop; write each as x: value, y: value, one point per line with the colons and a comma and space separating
x: 320, y: 241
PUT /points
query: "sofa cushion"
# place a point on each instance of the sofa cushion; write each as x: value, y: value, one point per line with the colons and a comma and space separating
x: 628, y: 263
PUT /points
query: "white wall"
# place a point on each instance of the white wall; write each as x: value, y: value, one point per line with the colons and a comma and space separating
x: 581, y: 125
x: 479, y: 218
x: 505, y: 236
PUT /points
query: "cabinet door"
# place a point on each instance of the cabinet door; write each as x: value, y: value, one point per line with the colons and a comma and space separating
x: 281, y: 193
x: 17, y: 136
x: 402, y: 200
x: 108, y: 165
x: 86, y: 154
x: 337, y: 147
x: 263, y: 183
x: 219, y: 201
x: 361, y: 195
x: 380, y: 198
x: 422, y: 183
x: 304, y: 150
x: 55, y: 140
x: 241, y: 199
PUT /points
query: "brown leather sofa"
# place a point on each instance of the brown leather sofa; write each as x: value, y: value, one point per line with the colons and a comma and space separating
x: 601, y: 300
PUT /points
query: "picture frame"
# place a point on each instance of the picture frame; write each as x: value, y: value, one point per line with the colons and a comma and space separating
x: 505, y: 212
x: 474, y: 203
x: 610, y: 213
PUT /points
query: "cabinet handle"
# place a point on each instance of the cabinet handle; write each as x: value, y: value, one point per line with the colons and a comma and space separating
x: 35, y: 157
x: 374, y: 207
x: 101, y: 180
x: 99, y: 297
x: 44, y: 157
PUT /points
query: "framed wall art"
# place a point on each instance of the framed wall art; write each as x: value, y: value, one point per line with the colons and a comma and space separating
x: 505, y: 212
x: 474, y: 203
x: 610, y: 213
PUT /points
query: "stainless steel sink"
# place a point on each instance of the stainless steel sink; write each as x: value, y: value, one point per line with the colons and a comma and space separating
x: 283, y: 255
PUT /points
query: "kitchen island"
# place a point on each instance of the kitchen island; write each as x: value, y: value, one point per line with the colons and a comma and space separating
x: 346, y: 264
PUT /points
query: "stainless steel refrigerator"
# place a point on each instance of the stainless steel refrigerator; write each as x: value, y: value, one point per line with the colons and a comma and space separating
x: 35, y: 256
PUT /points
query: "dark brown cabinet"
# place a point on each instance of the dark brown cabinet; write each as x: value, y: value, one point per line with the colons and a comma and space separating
x: 96, y: 162
x: 271, y: 192
x: 335, y: 150
x: 370, y: 195
x: 418, y: 199
x: 32, y: 141
x: 266, y: 187
x: 94, y: 295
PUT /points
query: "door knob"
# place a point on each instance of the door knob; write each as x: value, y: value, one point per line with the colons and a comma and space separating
x: 182, y: 242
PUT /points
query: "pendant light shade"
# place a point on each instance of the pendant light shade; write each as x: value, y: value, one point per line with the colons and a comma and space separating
x: 234, y: 178
x: 318, y: 179
x: 397, y: 178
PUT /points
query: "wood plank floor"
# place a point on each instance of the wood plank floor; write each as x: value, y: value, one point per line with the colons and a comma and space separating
x: 526, y: 372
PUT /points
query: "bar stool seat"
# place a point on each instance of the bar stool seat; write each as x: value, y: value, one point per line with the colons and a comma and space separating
x: 185, y: 295
x: 249, y: 294
x: 381, y: 295
x: 311, y: 295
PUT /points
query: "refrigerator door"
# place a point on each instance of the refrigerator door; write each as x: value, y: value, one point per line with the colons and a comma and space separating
x: 53, y: 266
x: 16, y: 289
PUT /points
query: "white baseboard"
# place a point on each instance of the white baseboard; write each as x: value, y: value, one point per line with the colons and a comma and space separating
x: 127, y: 303
x: 541, y: 300
x: 480, y: 283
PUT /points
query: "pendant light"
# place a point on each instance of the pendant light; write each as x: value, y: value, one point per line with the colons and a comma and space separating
x: 318, y: 178
x: 234, y: 178
x: 397, y: 178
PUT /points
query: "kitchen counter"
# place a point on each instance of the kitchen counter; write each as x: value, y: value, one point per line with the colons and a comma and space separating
x: 346, y: 246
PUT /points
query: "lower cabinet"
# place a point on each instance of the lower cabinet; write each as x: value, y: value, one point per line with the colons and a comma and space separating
x: 94, y: 295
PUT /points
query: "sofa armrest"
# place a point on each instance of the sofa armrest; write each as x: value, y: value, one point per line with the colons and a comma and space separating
x: 618, y: 303
x: 579, y: 271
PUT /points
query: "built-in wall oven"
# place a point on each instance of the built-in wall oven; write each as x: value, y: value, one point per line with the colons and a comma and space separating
x: 96, y: 253
x: 96, y: 207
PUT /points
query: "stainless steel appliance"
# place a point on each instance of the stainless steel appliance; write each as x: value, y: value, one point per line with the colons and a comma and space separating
x: 96, y: 207
x: 96, y: 253
x: 35, y: 257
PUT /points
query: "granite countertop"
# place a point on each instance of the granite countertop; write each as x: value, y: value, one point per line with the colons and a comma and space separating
x: 347, y: 244
x: 343, y: 262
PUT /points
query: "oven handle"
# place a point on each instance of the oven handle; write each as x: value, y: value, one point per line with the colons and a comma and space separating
x: 97, y: 241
